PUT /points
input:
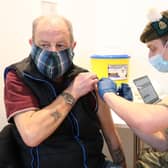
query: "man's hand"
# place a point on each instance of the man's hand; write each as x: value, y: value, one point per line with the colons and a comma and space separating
x: 82, y: 84
x: 106, y: 85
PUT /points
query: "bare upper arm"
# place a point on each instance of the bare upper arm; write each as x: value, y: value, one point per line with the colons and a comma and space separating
x: 105, y: 116
x: 24, y: 124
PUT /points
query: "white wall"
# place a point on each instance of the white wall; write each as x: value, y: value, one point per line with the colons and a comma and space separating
x: 119, y: 25
x: 16, y: 17
x: 97, y: 24
x: 16, y: 20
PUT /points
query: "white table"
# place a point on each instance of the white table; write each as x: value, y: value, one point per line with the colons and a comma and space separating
x: 118, y: 121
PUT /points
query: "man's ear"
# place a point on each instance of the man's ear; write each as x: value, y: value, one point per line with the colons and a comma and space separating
x: 73, y: 44
x: 30, y: 42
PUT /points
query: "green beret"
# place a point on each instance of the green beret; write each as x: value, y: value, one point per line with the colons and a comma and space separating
x: 155, y: 29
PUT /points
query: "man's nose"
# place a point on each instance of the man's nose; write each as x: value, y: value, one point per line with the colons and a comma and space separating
x: 53, y: 49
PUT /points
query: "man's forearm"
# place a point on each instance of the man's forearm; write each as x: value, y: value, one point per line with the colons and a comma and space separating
x: 117, y: 153
x: 35, y: 126
x: 118, y: 157
x: 157, y: 140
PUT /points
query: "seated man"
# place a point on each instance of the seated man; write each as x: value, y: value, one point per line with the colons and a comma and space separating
x: 54, y: 105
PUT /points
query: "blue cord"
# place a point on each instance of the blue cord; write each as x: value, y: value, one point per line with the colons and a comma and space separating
x: 38, y: 160
x: 78, y: 140
x: 32, y: 162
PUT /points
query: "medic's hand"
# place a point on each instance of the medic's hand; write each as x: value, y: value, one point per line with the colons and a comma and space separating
x: 125, y: 91
x: 106, y: 85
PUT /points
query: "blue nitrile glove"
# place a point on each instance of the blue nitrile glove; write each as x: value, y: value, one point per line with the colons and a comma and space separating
x: 106, y: 85
x: 125, y: 91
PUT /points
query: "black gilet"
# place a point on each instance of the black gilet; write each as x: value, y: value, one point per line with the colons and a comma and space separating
x: 78, y: 142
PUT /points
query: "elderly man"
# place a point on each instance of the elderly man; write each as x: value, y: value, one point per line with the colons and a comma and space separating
x: 54, y: 105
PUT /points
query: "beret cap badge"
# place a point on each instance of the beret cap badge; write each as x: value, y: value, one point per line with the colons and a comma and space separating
x: 162, y: 25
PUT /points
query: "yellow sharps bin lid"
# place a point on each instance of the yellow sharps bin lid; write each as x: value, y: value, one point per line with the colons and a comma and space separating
x: 116, y: 67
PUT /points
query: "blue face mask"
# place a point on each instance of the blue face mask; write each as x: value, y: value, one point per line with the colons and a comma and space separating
x: 159, y: 63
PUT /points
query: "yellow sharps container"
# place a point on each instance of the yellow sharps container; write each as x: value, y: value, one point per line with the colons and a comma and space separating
x: 115, y: 67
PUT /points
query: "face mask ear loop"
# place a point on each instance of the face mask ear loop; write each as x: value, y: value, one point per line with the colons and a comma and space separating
x: 165, y: 51
x: 166, y: 45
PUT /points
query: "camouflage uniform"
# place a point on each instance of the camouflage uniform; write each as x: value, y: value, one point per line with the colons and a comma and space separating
x: 149, y: 158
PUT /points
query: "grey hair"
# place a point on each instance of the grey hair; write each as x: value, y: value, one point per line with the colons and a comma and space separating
x: 42, y: 18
